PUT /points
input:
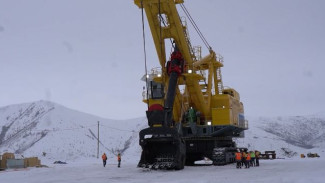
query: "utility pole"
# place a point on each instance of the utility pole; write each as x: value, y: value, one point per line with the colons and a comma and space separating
x: 98, y: 141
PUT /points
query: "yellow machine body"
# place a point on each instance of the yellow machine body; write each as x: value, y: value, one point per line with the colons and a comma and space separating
x: 205, y: 93
x: 190, y: 114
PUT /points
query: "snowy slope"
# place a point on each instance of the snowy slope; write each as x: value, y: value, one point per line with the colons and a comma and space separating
x: 65, y: 134
x: 288, y: 136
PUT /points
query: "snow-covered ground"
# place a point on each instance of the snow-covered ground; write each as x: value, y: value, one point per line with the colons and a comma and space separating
x: 294, y: 170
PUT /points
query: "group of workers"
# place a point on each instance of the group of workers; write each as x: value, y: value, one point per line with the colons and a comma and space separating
x: 248, y: 159
x: 104, y: 158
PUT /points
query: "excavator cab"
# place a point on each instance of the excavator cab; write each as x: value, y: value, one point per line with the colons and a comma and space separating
x: 156, y: 90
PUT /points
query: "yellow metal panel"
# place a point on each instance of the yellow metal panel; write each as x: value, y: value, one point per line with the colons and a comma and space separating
x: 221, y: 116
x: 221, y: 101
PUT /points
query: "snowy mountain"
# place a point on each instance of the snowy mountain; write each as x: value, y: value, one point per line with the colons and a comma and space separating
x: 288, y: 136
x: 54, y: 132
x: 64, y: 134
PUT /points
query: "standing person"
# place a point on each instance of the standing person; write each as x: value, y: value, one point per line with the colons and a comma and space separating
x: 243, y: 160
x: 248, y: 159
x: 238, y: 157
x: 119, y: 160
x: 252, y: 158
x: 257, y: 157
x: 104, y: 157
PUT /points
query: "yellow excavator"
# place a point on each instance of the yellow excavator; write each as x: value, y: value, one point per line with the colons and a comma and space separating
x: 190, y: 114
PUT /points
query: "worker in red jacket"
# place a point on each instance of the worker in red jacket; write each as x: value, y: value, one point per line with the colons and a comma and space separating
x: 119, y: 160
x: 104, y: 157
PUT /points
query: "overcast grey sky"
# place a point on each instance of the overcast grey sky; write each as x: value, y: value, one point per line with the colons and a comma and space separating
x: 88, y: 55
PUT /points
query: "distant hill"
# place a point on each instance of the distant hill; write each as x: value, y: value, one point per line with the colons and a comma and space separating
x: 290, y: 135
x: 43, y: 127
x: 63, y: 134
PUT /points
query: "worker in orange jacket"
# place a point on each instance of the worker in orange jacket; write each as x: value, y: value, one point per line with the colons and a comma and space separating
x: 248, y: 160
x: 119, y: 160
x: 238, y: 158
x: 104, y: 157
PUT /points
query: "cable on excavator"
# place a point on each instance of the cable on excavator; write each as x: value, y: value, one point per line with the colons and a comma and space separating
x: 145, y: 54
x: 188, y: 15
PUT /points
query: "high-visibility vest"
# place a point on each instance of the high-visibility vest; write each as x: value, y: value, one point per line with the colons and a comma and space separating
x: 248, y: 157
x: 118, y: 157
x: 252, y: 154
x: 238, y: 156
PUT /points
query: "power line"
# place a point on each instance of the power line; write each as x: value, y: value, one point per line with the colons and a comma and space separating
x: 117, y: 128
x: 80, y: 128
x: 64, y: 129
